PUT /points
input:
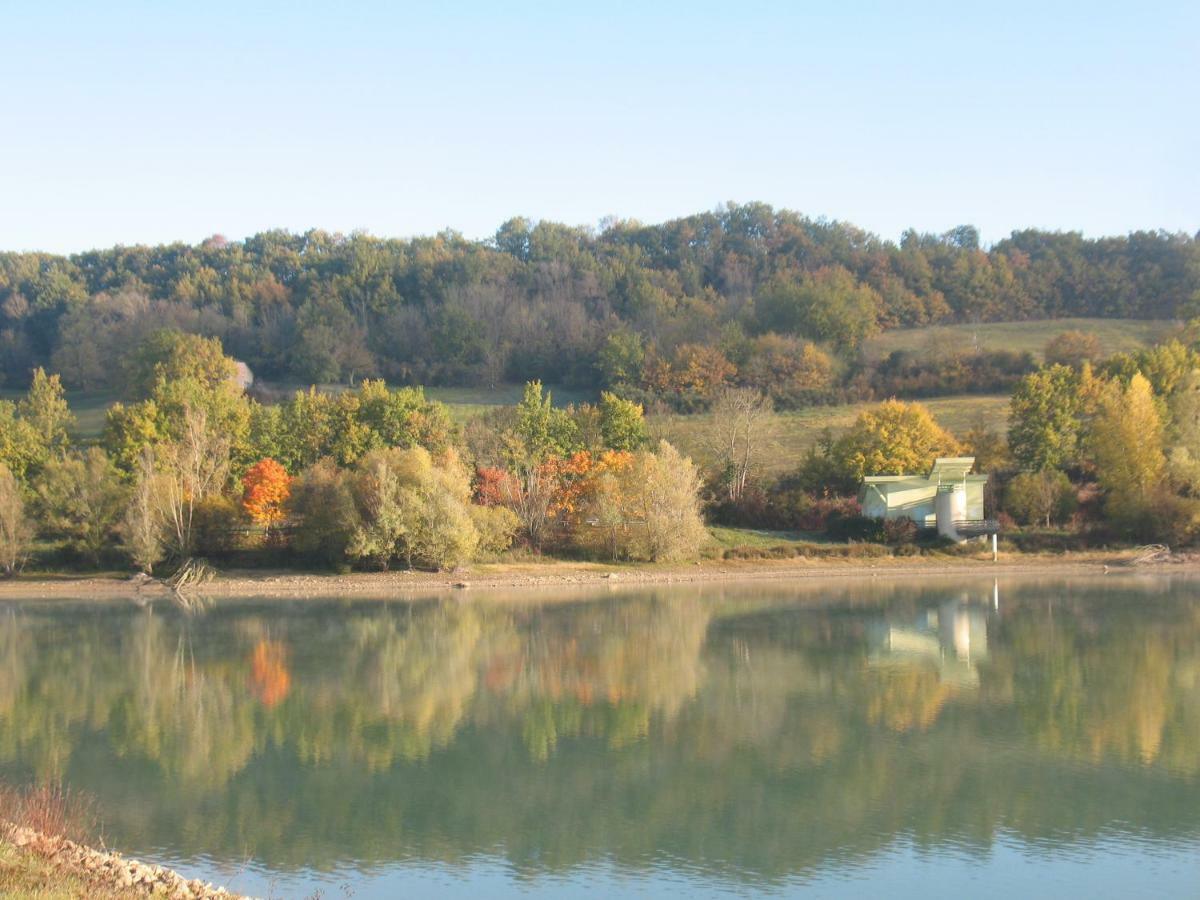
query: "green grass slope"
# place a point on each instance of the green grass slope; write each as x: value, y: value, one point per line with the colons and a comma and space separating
x: 1115, y: 335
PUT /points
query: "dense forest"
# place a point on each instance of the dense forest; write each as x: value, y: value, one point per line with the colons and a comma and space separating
x: 776, y: 299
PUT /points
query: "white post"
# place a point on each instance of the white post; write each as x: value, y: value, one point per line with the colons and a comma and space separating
x: 995, y: 548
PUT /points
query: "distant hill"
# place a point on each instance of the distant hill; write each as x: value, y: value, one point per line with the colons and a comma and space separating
x: 658, y: 311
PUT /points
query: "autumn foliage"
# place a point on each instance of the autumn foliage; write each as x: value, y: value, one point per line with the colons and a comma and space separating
x: 266, y: 487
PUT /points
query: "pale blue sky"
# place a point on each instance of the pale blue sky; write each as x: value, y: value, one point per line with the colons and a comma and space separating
x: 129, y: 122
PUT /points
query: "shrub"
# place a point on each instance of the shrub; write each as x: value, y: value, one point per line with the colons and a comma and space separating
x: 497, y: 526
x: 899, y: 532
x: 855, y: 527
x: 218, y: 526
x: 322, y: 510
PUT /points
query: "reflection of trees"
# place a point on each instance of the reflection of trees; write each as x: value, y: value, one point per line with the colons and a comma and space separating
x: 1124, y: 688
x: 742, y: 732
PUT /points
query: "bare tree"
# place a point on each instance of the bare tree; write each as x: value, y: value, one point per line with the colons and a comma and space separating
x: 194, y: 467
x: 15, y: 530
x: 740, y: 433
x: 142, y: 527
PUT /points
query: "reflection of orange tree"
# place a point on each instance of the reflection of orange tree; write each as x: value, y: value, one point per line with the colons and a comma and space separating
x: 269, y: 675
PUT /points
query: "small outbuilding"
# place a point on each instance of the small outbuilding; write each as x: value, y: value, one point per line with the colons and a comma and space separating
x: 949, y: 498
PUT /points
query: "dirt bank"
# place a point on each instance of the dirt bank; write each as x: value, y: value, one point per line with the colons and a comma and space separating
x: 551, y: 574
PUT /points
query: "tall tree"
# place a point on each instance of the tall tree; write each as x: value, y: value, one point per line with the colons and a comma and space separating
x: 1127, y: 446
x: 1044, y: 420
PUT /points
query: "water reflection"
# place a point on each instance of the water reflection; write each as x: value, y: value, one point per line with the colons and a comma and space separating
x: 750, y: 733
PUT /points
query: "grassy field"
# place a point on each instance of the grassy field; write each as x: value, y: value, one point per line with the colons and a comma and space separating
x: 796, y: 432
x: 89, y: 407
x: 1116, y: 335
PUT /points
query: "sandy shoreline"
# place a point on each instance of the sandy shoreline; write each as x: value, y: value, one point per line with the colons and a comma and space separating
x: 247, y: 584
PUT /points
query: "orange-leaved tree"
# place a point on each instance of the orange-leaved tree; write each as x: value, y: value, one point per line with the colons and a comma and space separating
x: 266, y: 487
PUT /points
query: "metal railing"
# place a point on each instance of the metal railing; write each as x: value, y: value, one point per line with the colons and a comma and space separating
x: 976, y: 527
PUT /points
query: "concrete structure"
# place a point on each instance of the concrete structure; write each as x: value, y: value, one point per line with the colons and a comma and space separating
x: 944, y: 499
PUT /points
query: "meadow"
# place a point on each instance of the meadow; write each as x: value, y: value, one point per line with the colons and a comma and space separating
x: 792, y: 434
x: 1115, y: 335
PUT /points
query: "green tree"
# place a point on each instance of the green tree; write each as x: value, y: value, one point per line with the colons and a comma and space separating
x: 79, y: 499
x: 1044, y: 419
x: 829, y: 304
x: 541, y: 430
x: 129, y: 431
x: 621, y: 359
x: 45, y: 409
x: 170, y: 355
x: 1040, y: 497
x: 411, y: 508
x: 21, y: 447
x: 322, y: 511
x: 622, y: 423
x: 404, y: 417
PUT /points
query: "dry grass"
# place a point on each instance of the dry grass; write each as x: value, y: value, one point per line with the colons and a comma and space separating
x: 50, y: 809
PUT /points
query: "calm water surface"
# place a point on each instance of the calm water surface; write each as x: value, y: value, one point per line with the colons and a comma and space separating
x: 942, y: 738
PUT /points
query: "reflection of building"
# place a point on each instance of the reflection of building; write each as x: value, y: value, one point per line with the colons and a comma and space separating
x: 953, y: 637
x: 948, y: 498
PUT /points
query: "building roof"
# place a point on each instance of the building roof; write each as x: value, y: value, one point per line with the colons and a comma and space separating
x: 951, y: 468
x: 945, y: 468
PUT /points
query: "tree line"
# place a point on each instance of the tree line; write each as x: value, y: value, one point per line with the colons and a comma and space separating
x: 744, y: 294
x: 191, y: 466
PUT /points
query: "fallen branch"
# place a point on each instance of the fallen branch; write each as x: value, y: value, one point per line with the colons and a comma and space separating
x: 1151, y: 553
x: 190, y: 575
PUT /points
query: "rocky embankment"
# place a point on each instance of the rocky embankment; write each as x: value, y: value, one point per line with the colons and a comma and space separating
x: 109, y: 872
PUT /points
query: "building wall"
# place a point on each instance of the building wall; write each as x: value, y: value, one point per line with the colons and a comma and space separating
x: 915, y: 499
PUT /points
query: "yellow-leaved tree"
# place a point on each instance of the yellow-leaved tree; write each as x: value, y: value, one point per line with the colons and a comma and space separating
x: 893, y: 438
x: 1127, y: 447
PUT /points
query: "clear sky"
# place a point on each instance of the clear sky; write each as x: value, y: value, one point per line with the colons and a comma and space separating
x: 129, y: 122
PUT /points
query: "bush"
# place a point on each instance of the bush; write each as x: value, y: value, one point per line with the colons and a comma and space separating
x: 218, y: 526
x: 321, y: 511
x: 900, y: 532
x: 855, y: 527
x: 497, y: 526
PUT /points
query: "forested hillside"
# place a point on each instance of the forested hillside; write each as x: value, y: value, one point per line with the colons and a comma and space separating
x: 669, y: 310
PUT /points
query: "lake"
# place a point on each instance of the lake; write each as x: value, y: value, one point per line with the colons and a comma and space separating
x: 928, y: 737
